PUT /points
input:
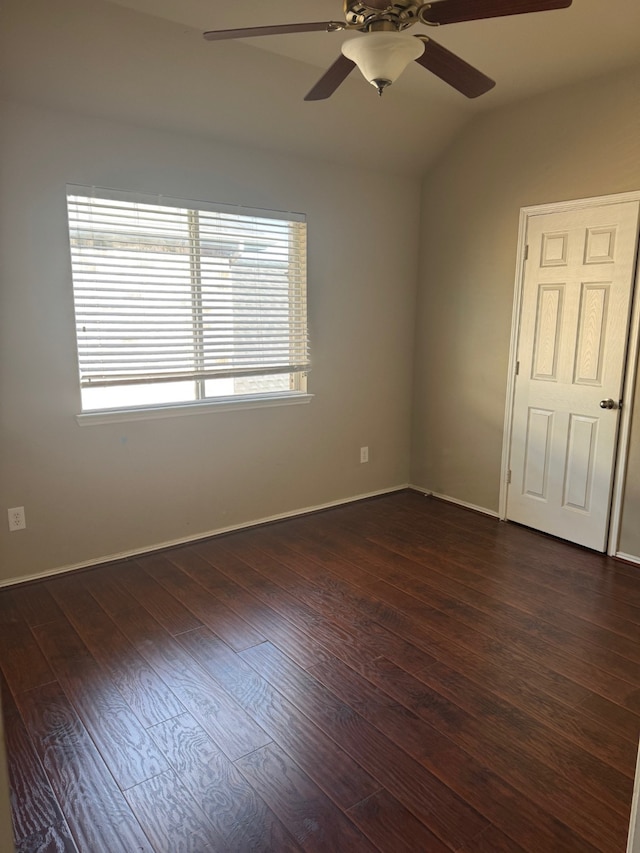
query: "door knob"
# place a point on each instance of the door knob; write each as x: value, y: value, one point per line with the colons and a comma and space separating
x: 608, y: 404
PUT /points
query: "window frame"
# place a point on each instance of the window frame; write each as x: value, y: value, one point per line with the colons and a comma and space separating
x: 297, y: 392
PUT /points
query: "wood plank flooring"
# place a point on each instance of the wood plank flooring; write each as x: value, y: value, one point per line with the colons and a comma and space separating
x: 397, y: 674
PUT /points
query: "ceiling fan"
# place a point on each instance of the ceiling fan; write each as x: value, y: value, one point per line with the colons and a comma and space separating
x: 384, y: 49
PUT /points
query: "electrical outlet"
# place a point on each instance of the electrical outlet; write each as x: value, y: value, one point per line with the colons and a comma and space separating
x: 364, y: 454
x: 17, y: 521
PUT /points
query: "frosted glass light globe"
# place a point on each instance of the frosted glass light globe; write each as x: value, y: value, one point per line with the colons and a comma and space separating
x: 382, y: 57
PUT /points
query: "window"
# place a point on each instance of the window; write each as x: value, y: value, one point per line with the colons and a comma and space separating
x: 178, y: 302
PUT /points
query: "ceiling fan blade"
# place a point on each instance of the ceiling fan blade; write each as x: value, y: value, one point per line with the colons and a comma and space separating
x: 453, y: 11
x: 331, y: 79
x: 453, y: 70
x: 277, y: 29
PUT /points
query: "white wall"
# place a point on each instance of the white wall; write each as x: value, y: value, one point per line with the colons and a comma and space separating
x: 95, y: 491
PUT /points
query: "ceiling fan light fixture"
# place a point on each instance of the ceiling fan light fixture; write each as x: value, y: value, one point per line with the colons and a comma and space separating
x: 382, y: 56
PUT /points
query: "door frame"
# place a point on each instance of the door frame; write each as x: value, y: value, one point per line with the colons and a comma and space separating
x: 630, y: 369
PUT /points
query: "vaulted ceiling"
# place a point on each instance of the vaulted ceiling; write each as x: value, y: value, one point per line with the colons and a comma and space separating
x: 145, y: 61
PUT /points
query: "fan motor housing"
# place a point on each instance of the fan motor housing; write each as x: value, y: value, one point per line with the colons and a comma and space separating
x: 399, y: 13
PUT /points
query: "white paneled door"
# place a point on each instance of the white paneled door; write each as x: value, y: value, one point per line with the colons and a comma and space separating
x: 574, y: 323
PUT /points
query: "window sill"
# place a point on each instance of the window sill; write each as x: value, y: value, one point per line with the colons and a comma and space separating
x: 178, y: 410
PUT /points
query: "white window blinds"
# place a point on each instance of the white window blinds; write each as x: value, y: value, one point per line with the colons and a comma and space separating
x: 168, y: 290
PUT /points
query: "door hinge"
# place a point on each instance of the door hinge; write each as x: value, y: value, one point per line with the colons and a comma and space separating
x: 517, y: 368
x: 526, y: 253
x: 508, y: 478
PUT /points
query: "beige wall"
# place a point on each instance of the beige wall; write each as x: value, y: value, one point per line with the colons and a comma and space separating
x: 96, y: 491
x: 574, y: 143
x: 6, y: 828
x: 633, y: 842
x: 100, y: 490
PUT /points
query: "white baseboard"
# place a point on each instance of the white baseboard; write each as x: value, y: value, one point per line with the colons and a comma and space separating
x: 628, y: 558
x: 420, y: 489
x: 188, y: 540
x: 448, y: 499
x: 633, y: 841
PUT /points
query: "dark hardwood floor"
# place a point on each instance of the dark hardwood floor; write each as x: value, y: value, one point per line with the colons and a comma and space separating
x: 397, y: 674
